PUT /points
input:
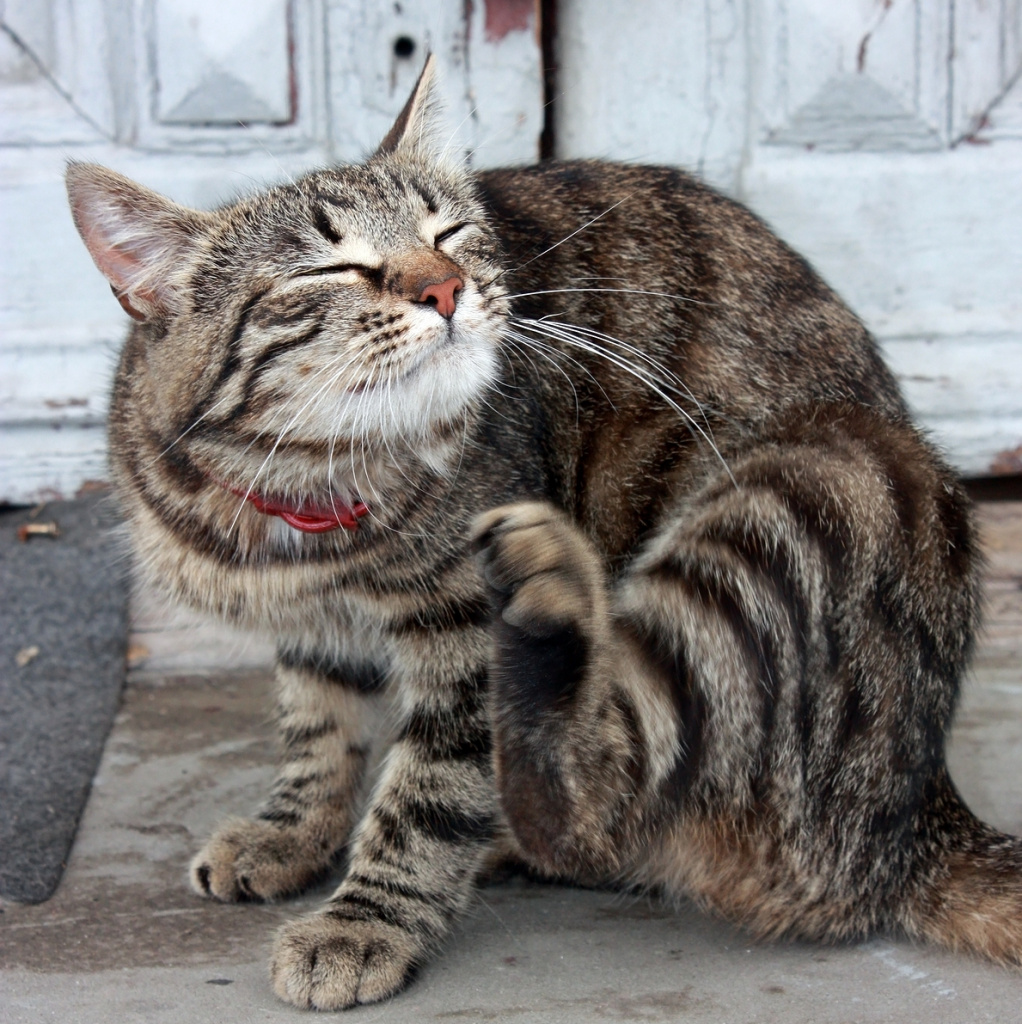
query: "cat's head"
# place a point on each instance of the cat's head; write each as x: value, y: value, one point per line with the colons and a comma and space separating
x: 362, y: 301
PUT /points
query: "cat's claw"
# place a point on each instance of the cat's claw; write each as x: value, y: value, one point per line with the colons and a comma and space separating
x: 325, y: 963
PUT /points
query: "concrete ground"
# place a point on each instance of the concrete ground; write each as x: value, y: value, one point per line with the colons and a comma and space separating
x: 124, y: 940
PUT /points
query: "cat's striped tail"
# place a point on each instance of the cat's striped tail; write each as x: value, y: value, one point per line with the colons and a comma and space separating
x: 971, y: 896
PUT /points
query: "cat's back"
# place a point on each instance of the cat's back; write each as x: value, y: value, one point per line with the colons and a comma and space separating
x: 652, y: 256
x: 662, y: 218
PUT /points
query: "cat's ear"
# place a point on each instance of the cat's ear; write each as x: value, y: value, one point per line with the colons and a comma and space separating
x: 140, y: 241
x: 415, y: 127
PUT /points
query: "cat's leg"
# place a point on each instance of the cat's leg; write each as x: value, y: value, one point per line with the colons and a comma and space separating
x: 584, y: 731
x: 327, y: 720
x: 754, y: 711
x: 417, y: 851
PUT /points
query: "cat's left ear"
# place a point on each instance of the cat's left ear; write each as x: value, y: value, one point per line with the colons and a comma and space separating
x: 141, y: 242
x: 415, y: 127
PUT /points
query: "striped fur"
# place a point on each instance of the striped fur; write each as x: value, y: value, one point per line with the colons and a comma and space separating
x: 658, y: 584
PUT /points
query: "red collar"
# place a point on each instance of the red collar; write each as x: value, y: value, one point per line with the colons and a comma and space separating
x: 308, y: 517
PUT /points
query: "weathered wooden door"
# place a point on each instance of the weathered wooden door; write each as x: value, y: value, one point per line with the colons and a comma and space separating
x: 203, y: 100
x: 883, y: 138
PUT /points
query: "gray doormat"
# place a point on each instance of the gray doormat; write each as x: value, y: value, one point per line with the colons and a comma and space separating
x: 63, y: 634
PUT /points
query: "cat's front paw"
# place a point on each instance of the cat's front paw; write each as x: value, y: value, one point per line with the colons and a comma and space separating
x: 328, y: 963
x: 257, y: 860
x: 544, y: 573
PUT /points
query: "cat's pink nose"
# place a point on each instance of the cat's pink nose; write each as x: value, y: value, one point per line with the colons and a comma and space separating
x: 441, y: 296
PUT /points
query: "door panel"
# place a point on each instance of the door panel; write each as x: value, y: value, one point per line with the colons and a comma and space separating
x: 882, y: 138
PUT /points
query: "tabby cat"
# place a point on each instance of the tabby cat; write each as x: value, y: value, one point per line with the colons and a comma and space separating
x: 597, y: 483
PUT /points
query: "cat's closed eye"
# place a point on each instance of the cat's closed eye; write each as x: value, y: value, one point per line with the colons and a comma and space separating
x: 370, y: 273
x: 449, y: 233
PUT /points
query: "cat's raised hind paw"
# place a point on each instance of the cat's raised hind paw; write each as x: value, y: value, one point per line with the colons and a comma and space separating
x: 544, y: 573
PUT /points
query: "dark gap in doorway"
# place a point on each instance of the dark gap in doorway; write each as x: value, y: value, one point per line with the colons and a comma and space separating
x: 548, y: 46
x: 995, y: 488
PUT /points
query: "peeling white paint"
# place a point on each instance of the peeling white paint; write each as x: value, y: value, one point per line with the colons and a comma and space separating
x: 883, y: 141
x: 901, y: 970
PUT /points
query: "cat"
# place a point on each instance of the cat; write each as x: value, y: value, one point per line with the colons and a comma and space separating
x: 612, y: 498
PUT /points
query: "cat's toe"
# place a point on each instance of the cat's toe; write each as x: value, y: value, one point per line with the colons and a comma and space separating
x: 543, y: 573
x: 325, y: 963
x: 254, y: 861
x: 490, y: 525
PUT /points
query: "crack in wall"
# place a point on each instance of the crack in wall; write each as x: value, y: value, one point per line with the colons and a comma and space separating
x: 48, y: 75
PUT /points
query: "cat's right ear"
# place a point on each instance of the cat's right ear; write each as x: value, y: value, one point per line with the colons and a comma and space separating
x: 141, y: 242
x: 415, y: 126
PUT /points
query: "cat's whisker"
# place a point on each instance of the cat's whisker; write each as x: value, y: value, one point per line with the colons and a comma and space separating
x: 277, y: 443
x: 659, y: 388
x: 546, y: 331
x: 461, y: 454
x: 360, y: 445
x: 376, y: 498
x: 364, y: 445
x: 559, y: 332
x: 335, y: 434
x: 493, y: 408
x: 521, y: 342
x: 515, y: 343
x: 502, y: 386
x: 325, y: 369
x: 397, y: 463
x: 591, y: 338
x: 552, y: 355
x: 453, y: 135
x: 483, y: 283
x: 355, y: 441
x: 184, y: 433
x: 609, y: 291
x: 665, y: 372
x: 578, y: 230
x: 486, y: 906
x: 266, y: 149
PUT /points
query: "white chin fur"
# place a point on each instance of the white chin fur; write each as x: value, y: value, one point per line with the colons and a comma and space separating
x: 437, y: 390
x: 442, y: 386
